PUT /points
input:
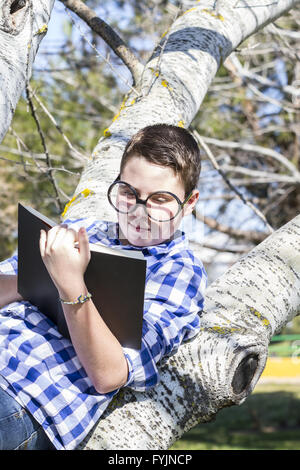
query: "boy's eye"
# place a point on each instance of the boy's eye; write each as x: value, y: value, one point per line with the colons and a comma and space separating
x: 161, y: 198
x: 127, y: 193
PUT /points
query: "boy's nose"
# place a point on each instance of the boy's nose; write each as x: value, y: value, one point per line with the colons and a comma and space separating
x: 140, y: 210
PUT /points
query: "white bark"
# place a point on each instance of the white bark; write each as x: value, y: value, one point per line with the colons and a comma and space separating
x: 173, y: 84
x: 243, y: 309
x: 249, y: 303
x: 20, y: 35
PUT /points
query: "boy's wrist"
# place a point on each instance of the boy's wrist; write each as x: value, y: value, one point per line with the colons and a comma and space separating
x: 72, y: 292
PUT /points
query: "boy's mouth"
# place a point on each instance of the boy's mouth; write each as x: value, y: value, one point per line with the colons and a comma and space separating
x: 138, y: 228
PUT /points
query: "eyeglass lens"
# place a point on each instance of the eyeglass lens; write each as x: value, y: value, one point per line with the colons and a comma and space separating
x: 160, y: 206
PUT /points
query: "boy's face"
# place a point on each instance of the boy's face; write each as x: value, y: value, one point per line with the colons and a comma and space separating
x: 136, y: 227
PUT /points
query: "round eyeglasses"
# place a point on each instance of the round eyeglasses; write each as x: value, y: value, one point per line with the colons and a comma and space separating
x: 161, y: 206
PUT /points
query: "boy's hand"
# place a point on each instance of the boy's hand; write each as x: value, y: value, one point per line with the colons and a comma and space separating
x: 65, y: 263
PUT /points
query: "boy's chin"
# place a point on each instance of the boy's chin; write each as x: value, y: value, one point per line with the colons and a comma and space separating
x: 142, y: 237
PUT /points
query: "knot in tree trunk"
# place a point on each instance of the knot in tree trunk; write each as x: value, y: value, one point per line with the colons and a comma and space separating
x: 13, y: 16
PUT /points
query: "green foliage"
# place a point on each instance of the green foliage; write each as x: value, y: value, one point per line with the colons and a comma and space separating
x: 83, y: 94
x: 269, y: 419
x: 82, y: 99
x: 229, y: 112
x: 292, y: 327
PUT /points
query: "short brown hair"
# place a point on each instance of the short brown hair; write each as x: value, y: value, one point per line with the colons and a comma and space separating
x: 167, y: 145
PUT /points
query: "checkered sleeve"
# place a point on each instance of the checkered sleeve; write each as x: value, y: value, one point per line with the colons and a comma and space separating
x: 173, y: 301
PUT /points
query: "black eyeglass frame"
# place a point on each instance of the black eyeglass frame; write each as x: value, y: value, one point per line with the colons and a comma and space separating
x: 144, y: 201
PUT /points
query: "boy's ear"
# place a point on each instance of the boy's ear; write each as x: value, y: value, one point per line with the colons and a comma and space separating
x: 190, y: 204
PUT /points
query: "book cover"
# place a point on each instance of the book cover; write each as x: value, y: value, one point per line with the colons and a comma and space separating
x: 114, y: 277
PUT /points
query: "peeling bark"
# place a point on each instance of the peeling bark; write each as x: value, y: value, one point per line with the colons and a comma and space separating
x: 244, y: 308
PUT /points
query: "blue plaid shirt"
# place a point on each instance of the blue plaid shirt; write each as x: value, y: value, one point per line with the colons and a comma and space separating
x: 40, y: 368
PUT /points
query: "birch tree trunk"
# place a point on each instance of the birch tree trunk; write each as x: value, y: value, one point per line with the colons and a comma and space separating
x: 23, y: 23
x: 245, y: 307
x: 173, y: 84
x: 220, y: 367
x: 255, y: 298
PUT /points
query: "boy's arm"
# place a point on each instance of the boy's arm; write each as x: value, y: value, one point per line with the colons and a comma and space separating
x: 8, y: 289
x: 173, y: 300
x: 97, y: 348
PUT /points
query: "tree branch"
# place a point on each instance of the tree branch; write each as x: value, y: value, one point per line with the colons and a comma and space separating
x: 22, y: 27
x: 262, y: 151
x: 242, y: 72
x: 76, y: 154
x: 219, y: 169
x: 253, y: 300
x: 238, y: 250
x: 108, y: 35
x: 250, y: 235
x: 44, y: 145
x: 244, y: 308
x: 198, y: 41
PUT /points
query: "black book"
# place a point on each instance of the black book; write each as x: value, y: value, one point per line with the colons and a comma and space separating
x: 114, y: 277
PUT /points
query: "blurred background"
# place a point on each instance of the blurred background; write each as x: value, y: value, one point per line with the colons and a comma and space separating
x: 248, y: 130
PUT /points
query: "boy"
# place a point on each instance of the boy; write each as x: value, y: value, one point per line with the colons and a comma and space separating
x: 66, y: 386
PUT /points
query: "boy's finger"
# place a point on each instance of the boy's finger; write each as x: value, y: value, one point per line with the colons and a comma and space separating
x: 51, y: 236
x: 42, y: 242
x: 60, y: 235
x: 71, y: 235
x: 84, y: 246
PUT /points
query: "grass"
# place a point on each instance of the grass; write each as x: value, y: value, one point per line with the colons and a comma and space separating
x: 268, y: 420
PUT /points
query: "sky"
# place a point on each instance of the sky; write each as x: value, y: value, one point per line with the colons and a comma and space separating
x: 239, y: 215
x: 56, y: 34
